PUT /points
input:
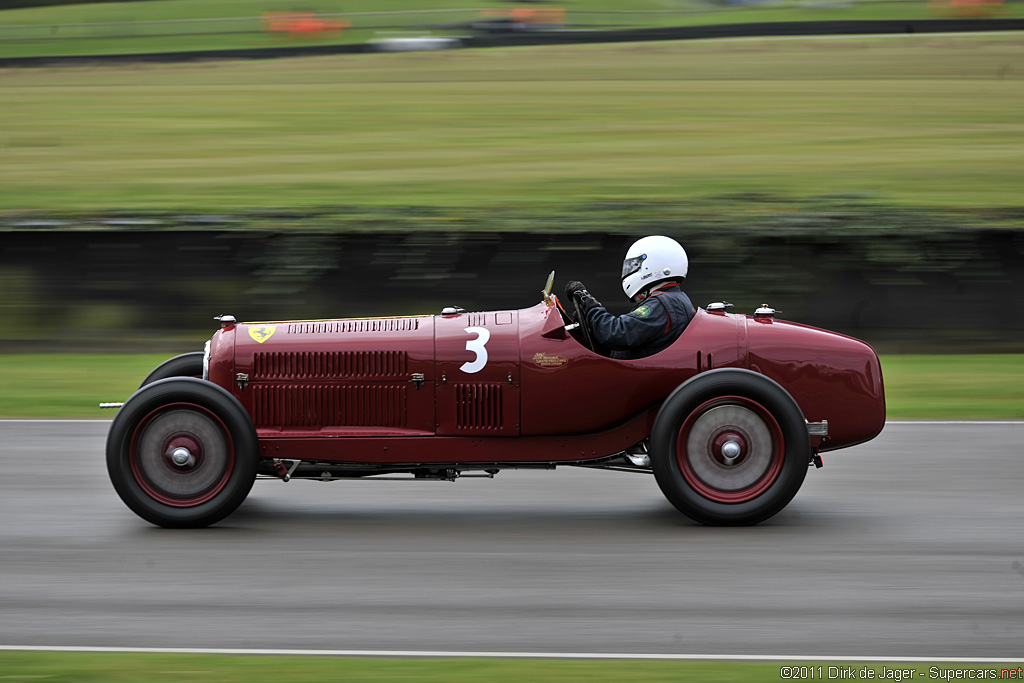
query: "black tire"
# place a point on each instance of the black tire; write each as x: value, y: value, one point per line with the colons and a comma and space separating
x: 213, y: 475
x: 185, y: 365
x: 730, y: 447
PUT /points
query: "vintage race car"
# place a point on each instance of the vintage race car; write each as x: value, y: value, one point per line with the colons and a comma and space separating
x: 728, y: 418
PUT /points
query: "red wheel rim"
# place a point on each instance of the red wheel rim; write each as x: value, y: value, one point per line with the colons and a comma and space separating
x: 730, y: 449
x: 181, y: 455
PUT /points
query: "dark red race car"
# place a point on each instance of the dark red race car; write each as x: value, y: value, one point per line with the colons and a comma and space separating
x: 728, y: 418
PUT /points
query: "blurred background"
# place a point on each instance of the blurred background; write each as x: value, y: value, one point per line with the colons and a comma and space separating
x: 70, y: 27
x: 165, y: 161
x: 924, y: 288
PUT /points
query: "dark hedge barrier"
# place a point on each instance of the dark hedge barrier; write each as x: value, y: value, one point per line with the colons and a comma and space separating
x: 903, y: 282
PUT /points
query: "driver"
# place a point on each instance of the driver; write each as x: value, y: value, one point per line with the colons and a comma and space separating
x: 651, y: 273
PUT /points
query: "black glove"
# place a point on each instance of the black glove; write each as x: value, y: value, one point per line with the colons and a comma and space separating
x: 573, y: 287
x: 587, y: 301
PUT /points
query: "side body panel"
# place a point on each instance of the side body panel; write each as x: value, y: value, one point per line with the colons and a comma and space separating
x: 513, y: 386
x: 472, y: 450
x: 477, y: 371
x: 487, y: 377
x: 568, y: 389
x: 334, y: 378
x: 831, y: 376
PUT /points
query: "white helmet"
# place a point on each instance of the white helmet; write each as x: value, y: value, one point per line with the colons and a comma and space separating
x: 652, y: 260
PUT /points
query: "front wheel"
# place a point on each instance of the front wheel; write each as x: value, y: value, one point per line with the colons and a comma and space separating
x: 730, y: 447
x: 182, y: 453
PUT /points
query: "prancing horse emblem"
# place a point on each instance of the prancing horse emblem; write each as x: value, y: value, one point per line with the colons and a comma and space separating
x: 262, y: 333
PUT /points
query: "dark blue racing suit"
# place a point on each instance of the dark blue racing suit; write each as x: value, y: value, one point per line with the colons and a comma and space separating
x: 650, y: 327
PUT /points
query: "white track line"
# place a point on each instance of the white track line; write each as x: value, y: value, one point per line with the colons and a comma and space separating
x: 498, y: 655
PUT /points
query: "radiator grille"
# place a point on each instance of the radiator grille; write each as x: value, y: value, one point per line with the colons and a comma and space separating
x: 327, y: 405
x: 369, y: 325
x: 328, y: 364
x: 478, y: 406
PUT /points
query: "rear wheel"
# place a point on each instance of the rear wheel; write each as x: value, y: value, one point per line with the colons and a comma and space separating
x: 185, y: 365
x: 182, y: 453
x: 730, y: 447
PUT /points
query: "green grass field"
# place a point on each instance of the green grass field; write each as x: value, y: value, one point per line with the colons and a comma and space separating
x: 170, y: 668
x: 123, y: 27
x: 924, y: 121
x: 955, y: 387
x: 917, y: 386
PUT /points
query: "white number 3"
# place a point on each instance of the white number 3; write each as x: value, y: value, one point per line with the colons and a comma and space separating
x: 477, y: 347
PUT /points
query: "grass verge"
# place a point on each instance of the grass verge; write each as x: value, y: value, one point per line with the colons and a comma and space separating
x: 954, y: 387
x: 173, y: 668
x: 981, y: 387
x: 69, y: 385
x: 922, y: 121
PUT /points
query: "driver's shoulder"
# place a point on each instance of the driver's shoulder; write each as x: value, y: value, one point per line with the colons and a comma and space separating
x: 648, y: 308
x: 671, y: 298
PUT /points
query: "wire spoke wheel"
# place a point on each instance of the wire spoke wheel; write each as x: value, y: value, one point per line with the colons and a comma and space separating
x: 182, y: 455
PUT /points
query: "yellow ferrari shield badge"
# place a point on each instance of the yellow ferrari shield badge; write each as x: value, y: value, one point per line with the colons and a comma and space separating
x: 262, y: 333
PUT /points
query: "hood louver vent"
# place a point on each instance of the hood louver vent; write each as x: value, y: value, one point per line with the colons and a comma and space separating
x: 478, y: 406
x: 317, y: 405
x: 369, y: 325
x: 476, y: 319
x: 329, y: 364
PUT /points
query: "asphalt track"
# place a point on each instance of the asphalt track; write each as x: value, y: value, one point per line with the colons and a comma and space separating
x: 910, y: 545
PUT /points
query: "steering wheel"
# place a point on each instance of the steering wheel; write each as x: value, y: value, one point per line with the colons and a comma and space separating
x: 581, y: 320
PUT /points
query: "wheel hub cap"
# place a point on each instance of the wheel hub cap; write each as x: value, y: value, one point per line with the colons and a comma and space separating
x: 730, y: 451
x: 182, y: 457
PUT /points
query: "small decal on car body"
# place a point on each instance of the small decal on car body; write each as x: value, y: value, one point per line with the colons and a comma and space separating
x: 478, y: 347
x: 548, y: 360
x: 262, y: 333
